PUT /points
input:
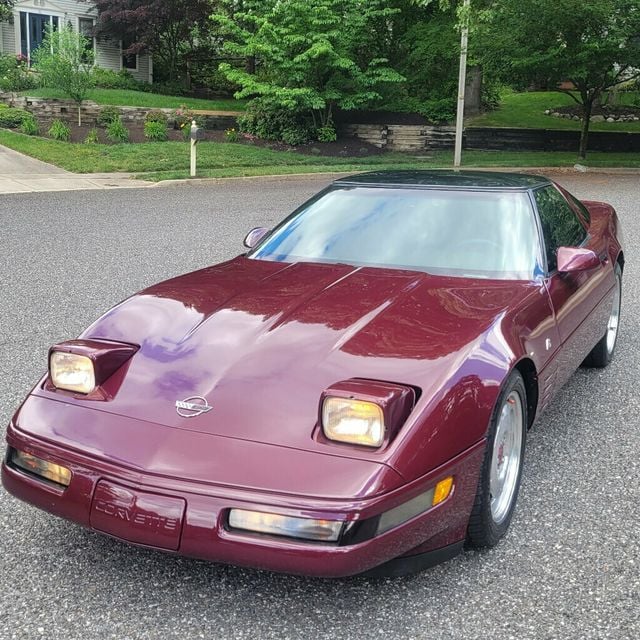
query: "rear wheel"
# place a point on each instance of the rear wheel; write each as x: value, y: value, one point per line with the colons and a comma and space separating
x: 501, y: 472
x: 602, y: 354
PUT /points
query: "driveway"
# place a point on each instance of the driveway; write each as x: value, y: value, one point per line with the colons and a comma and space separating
x: 569, y: 568
x: 22, y: 174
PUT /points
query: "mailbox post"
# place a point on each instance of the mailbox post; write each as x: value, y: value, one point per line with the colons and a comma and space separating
x: 196, y: 134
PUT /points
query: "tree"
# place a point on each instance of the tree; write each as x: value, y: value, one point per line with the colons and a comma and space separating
x: 6, y: 9
x: 593, y: 45
x: 170, y: 31
x: 64, y: 61
x: 309, y: 55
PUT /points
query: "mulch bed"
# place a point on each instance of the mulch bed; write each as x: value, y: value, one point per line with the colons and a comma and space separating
x: 345, y: 147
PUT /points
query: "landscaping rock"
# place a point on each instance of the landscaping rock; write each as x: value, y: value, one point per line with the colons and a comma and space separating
x: 604, y: 113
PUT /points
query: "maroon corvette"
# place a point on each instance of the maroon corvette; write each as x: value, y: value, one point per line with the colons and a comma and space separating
x: 352, y: 395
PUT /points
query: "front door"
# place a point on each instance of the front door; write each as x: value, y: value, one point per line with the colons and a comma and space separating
x: 33, y: 28
x: 574, y: 296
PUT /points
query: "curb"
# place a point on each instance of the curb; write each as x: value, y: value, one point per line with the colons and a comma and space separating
x: 282, y: 176
x: 630, y: 171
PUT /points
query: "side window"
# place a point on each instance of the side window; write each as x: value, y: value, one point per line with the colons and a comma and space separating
x: 583, y: 210
x: 560, y: 226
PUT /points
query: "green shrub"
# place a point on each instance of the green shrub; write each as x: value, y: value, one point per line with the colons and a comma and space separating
x: 155, y: 131
x: 117, y: 132
x: 156, y: 116
x: 60, y: 131
x: 108, y: 79
x: 29, y: 125
x: 166, y: 88
x: 10, y: 118
x: 206, y: 74
x: 492, y: 94
x: 92, y: 137
x: 327, y: 133
x: 295, y: 135
x: 442, y: 110
x: 108, y: 115
x: 269, y: 121
x: 15, y: 74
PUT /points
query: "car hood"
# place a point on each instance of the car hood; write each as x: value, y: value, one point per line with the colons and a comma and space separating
x: 261, y: 340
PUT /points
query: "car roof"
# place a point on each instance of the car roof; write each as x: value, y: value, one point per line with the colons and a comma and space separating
x: 445, y: 178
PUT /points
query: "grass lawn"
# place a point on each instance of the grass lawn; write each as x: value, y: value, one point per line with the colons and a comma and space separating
x: 170, y: 160
x: 127, y: 98
x: 526, y: 110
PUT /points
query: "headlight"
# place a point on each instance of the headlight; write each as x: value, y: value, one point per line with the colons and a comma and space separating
x: 72, y: 372
x: 277, y: 525
x: 353, y: 421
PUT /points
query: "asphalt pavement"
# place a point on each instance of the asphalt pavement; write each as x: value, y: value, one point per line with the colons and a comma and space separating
x: 569, y: 567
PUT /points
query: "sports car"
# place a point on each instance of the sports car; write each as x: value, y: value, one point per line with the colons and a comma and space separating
x: 351, y: 395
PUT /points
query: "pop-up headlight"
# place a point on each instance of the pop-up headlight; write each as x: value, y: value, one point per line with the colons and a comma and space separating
x: 72, y: 372
x: 364, y: 412
x: 354, y: 421
x: 81, y: 366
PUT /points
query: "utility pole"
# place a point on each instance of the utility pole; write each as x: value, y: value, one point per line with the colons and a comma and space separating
x: 462, y: 84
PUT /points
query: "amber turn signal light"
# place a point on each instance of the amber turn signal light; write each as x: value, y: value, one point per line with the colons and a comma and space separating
x: 442, y: 490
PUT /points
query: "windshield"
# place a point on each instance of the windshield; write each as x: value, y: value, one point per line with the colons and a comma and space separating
x: 459, y: 233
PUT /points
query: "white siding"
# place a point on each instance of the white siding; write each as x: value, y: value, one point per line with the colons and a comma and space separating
x: 108, y: 54
x: 8, y: 37
x: 143, y: 69
x: 69, y: 8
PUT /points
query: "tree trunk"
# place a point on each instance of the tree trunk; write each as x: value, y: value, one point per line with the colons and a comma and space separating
x: 79, y: 114
x: 587, y: 109
x: 250, y: 65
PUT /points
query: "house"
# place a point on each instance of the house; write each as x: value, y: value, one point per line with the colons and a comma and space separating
x: 24, y: 32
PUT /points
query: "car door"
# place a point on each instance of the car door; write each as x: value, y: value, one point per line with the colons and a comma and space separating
x: 576, y: 298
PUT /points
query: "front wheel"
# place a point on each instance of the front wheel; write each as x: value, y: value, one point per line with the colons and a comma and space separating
x: 501, y: 472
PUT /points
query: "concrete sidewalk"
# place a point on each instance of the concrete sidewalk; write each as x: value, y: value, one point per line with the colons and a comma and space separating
x: 22, y: 174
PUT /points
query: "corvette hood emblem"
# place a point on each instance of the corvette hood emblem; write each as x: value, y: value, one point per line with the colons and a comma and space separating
x: 192, y: 407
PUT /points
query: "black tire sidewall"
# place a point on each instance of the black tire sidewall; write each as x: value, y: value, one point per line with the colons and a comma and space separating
x: 483, y: 531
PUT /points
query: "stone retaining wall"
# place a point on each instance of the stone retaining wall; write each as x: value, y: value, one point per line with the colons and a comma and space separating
x: 425, y: 138
x: 48, y: 109
x: 397, y: 137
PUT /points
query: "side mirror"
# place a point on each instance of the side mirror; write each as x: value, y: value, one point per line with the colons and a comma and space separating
x: 575, y: 259
x: 254, y: 236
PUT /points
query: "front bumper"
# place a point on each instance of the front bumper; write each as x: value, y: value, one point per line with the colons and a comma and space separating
x: 97, y: 498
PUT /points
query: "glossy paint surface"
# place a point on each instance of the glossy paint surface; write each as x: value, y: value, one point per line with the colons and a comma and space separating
x: 575, y: 259
x: 262, y: 342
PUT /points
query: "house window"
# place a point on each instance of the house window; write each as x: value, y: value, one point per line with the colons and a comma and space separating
x: 33, y: 28
x: 85, y: 27
x: 129, y: 60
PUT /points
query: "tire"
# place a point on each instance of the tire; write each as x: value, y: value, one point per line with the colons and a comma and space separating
x: 602, y: 354
x: 491, y: 513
